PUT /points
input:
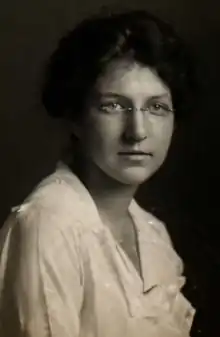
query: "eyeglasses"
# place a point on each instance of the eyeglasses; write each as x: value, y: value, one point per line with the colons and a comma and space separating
x: 158, y: 109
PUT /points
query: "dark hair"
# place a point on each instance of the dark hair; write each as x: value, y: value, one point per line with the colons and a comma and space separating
x: 84, y: 53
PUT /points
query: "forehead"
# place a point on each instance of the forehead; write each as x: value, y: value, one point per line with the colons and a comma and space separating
x: 131, y: 79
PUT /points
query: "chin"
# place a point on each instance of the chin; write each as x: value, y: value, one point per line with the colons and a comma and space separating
x: 133, y: 176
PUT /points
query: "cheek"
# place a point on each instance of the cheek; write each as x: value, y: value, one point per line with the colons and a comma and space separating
x: 102, y: 133
x: 163, y: 133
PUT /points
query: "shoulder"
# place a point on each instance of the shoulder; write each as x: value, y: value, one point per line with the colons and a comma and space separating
x: 44, y: 232
x: 52, y: 198
x: 48, y: 224
x: 53, y: 204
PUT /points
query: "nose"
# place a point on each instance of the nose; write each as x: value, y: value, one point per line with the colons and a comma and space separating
x: 135, y: 128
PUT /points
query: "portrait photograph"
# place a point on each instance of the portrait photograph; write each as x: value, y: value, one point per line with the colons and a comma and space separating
x: 109, y: 124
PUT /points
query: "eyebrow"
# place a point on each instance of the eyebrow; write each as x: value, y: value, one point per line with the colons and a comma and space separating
x: 161, y: 96
x: 114, y: 95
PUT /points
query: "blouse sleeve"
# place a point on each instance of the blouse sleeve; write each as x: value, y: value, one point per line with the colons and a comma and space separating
x: 41, y: 283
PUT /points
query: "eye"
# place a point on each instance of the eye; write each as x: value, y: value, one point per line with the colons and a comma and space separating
x: 112, y: 107
x: 160, y: 109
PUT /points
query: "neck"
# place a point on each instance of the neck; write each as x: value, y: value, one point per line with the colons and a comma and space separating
x: 112, y: 197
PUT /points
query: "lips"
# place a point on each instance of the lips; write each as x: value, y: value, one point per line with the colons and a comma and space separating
x: 135, y: 153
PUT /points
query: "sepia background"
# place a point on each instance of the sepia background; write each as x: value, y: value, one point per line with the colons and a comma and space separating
x: 184, y: 194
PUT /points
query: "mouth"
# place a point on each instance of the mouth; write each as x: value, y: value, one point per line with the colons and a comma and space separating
x: 136, y: 156
x: 135, y: 153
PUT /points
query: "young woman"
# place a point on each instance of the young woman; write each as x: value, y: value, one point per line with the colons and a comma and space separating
x: 80, y: 258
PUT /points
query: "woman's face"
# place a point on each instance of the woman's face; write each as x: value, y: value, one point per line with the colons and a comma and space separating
x: 129, y: 122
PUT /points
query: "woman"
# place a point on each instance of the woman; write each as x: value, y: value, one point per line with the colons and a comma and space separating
x: 80, y: 257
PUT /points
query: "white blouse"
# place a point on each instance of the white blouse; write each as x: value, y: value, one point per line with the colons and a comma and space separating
x: 62, y: 274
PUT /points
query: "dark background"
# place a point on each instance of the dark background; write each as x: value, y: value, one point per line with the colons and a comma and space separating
x: 184, y: 193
